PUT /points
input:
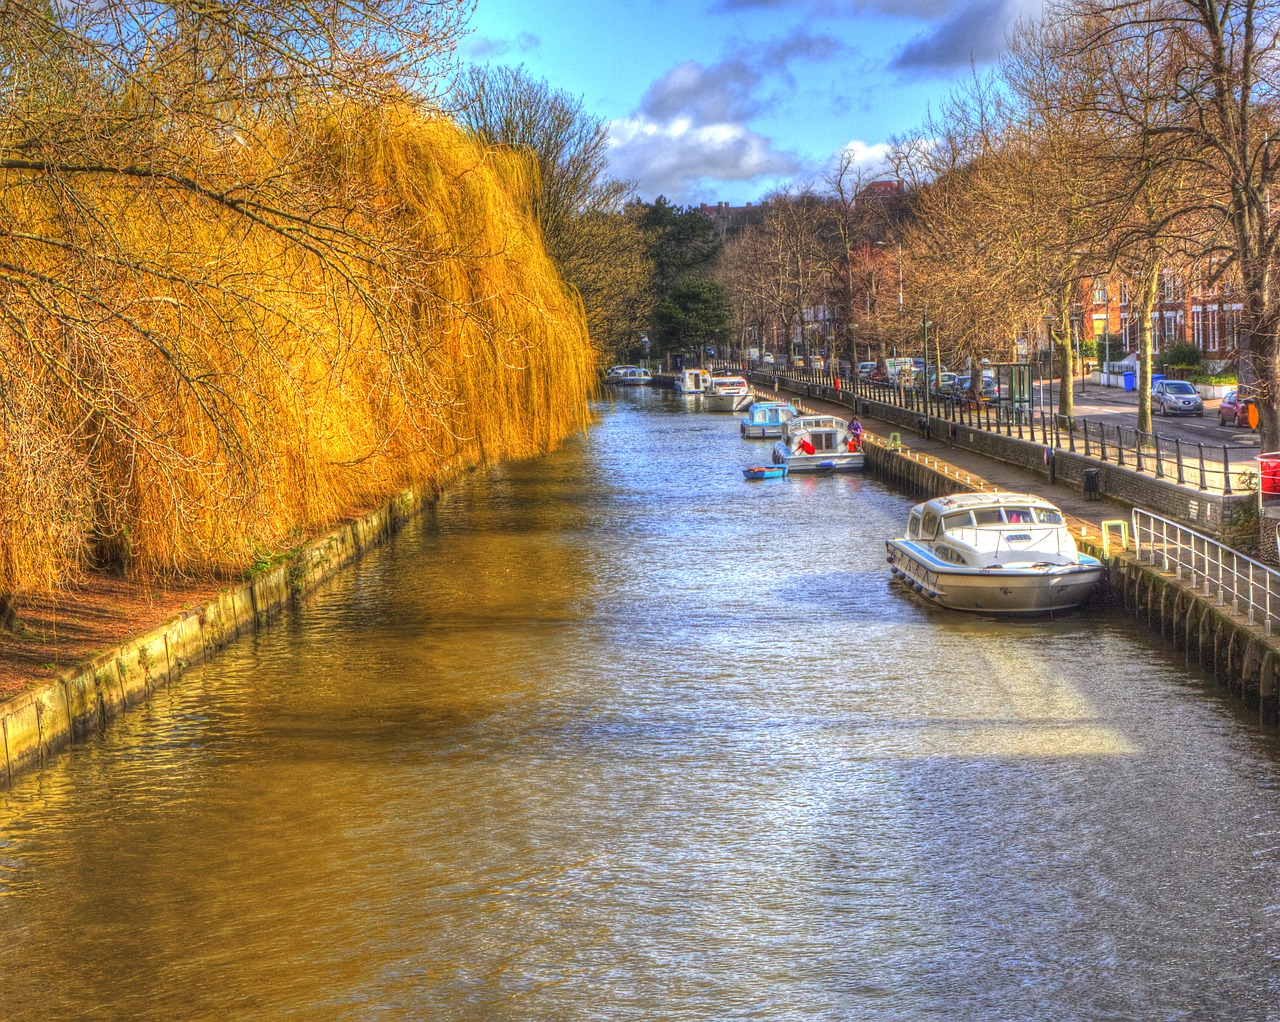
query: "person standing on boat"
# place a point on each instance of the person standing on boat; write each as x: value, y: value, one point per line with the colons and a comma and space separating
x: 855, y: 435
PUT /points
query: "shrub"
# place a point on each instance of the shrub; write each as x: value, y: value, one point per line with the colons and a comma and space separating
x: 1180, y: 356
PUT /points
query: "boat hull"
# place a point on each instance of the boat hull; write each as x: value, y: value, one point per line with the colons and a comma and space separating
x: 824, y: 463
x: 765, y: 472
x: 726, y: 402
x: 1007, y: 591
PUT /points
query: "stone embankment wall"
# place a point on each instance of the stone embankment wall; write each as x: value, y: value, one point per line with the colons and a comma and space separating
x: 36, y: 724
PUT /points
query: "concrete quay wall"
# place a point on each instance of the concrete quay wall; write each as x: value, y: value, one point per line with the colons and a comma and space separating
x: 34, y: 725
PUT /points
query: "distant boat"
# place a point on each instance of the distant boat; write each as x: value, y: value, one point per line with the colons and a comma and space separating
x: 766, y: 419
x: 628, y: 376
x: 820, y: 444
x: 995, y: 553
x: 692, y: 381
x: 727, y: 394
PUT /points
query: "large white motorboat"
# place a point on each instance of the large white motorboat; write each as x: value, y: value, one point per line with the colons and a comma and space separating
x: 726, y: 394
x: 995, y: 553
x: 818, y: 443
x: 692, y: 381
x: 628, y: 376
x: 766, y: 419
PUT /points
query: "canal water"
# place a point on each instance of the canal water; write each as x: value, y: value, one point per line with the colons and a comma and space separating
x: 617, y: 735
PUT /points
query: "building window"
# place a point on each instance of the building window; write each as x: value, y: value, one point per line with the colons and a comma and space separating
x: 1100, y: 290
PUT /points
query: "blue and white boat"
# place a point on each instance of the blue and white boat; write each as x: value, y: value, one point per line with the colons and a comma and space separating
x: 766, y: 419
x: 628, y: 376
x: 994, y: 553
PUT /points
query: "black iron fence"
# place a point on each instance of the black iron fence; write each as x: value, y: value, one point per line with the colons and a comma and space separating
x: 1219, y: 468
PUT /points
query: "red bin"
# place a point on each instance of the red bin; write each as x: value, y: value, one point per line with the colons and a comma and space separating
x: 1269, y: 474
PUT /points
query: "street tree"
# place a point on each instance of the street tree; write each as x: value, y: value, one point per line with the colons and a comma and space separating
x: 1206, y: 108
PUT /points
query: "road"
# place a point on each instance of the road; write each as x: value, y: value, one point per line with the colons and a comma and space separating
x: 1115, y: 407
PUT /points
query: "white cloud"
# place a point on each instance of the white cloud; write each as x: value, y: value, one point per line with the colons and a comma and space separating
x: 685, y: 161
x: 870, y: 160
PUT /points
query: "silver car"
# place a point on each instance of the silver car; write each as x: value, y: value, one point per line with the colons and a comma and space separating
x: 1176, y: 397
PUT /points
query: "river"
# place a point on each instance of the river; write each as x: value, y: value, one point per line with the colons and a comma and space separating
x: 617, y: 735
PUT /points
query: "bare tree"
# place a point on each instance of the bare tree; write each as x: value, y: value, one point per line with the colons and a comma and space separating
x: 1204, y: 108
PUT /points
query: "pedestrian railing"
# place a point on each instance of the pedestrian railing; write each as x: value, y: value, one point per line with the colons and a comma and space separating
x: 1251, y: 588
x: 1217, y: 468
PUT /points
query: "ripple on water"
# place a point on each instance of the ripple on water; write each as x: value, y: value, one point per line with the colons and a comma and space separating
x: 615, y: 734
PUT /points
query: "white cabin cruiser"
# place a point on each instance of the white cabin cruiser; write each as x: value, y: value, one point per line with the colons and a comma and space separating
x: 628, y: 376
x: 766, y: 418
x: 692, y: 381
x: 818, y: 443
x: 726, y: 394
x: 995, y: 553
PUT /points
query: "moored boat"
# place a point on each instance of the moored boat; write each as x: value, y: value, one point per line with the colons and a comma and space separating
x: 692, y: 381
x: 818, y: 443
x: 766, y: 419
x: 726, y: 394
x: 765, y: 472
x: 995, y: 553
x: 628, y: 376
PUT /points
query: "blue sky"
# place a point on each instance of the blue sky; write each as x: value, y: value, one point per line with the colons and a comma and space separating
x: 723, y: 100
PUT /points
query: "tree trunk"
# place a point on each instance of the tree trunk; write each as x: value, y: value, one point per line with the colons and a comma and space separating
x: 1066, y: 389
x: 1143, y: 305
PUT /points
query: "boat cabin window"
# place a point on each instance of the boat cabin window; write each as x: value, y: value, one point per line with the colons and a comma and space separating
x: 913, y: 525
x: 947, y: 554
x: 929, y: 525
x: 1047, y: 517
x: 823, y: 441
x: 1018, y: 515
x: 988, y: 516
x: 957, y: 520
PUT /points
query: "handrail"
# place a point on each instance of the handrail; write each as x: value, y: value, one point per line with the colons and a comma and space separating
x: 1163, y: 457
x: 1216, y: 569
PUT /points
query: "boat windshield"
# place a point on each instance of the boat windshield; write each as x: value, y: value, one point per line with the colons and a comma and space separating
x: 999, y: 517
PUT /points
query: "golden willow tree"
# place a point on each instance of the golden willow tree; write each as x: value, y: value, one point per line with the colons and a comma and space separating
x: 248, y: 281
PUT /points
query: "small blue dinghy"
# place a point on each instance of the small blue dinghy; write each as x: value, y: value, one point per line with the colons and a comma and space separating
x: 765, y: 472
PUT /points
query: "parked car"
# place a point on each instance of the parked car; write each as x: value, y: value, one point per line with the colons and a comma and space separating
x: 797, y: 362
x: 768, y: 358
x: 865, y: 369
x: 986, y: 389
x: 1234, y: 409
x: 1176, y: 397
x: 944, y: 383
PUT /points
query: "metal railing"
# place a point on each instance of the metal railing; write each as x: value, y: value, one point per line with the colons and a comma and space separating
x: 1218, y: 468
x: 1251, y: 588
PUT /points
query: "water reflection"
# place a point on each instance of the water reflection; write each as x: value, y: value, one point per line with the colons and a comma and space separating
x: 617, y: 735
